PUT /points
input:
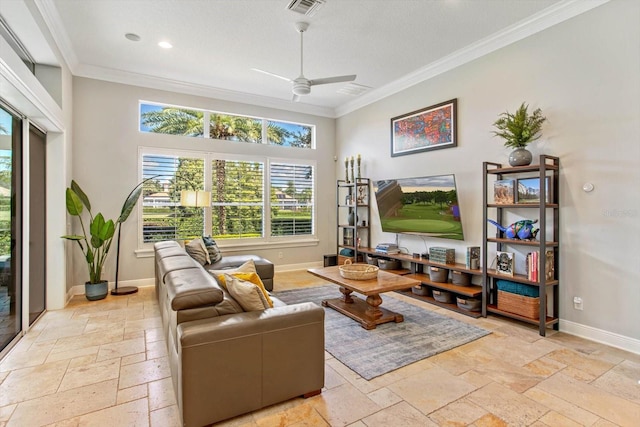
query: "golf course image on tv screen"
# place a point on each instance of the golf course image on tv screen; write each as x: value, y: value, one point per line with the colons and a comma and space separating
x: 423, y: 205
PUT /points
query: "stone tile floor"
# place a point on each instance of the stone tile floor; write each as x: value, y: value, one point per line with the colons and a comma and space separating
x: 104, y: 363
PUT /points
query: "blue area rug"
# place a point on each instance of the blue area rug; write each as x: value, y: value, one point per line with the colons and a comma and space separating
x: 390, y: 346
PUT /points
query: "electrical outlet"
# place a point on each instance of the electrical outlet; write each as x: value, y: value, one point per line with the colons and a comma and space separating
x: 280, y: 255
x: 577, y: 303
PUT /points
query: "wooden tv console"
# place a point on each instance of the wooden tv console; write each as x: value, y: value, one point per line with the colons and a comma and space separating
x: 416, y: 271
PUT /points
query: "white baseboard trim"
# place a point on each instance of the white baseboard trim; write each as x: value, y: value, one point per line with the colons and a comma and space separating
x: 140, y: 283
x: 601, y: 336
x: 301, y: 266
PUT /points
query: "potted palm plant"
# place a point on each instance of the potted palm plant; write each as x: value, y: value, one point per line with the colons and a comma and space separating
x: 518, y: 130
x: 95, y: 240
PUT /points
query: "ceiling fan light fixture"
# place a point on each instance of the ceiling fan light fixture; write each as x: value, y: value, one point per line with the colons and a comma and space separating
x: 301, y: 88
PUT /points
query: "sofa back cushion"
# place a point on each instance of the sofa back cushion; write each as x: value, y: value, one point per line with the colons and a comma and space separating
x: 175, y: 263
x: 192, y: 288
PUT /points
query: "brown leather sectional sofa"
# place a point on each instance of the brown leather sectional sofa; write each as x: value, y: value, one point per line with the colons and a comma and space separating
x: 224, y: 361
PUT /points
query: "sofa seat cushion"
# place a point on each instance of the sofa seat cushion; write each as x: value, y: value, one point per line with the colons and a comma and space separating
x: 192, y: 288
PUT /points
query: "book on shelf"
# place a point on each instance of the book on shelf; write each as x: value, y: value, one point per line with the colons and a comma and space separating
x: 533, y: 262
x: 387, y: 248
x: 472, y: 260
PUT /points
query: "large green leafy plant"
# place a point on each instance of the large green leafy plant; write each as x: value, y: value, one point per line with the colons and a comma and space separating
x: 520, y: 128
x: 95, y: 241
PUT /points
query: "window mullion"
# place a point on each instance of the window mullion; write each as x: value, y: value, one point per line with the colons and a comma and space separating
x: 208, y: 215
x: 266, y: 194
x: 206, y: 132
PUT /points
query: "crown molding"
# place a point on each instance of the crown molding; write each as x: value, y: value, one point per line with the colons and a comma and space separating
x: 161, y: 83
x: 561, y: 11
x: 536, y: 23
x: 52, y: 20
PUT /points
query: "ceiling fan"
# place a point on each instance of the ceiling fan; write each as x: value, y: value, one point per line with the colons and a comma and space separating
x: 301, y: 85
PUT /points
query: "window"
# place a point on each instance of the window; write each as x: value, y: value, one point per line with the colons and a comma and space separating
x: 163, y: 218
x: 235, y: 128
x: 174, y: 120
x: 237, y: 189
x: 289, y: 134
x: 171, y: 120
x: 251, y: 198
x: 291, y: 199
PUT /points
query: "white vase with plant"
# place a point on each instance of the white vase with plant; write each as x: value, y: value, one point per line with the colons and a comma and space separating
x: 518, y: 130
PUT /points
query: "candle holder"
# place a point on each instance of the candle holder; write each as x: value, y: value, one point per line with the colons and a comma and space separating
x: 353, y: 177
x: 358, y: 166
x: 346, y: 169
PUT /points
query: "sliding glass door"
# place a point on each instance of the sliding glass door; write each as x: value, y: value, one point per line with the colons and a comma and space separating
x: 37, y: 223
x: 10, y: 226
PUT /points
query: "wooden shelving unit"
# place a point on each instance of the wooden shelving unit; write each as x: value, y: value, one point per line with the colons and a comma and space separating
x: 548, y: 213
x: 353, y: 197
x: 416, y: 271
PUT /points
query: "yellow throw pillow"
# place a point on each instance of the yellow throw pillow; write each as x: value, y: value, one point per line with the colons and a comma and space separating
x: 255, y: 279
x: 247, y: 267
x: 247, y: 294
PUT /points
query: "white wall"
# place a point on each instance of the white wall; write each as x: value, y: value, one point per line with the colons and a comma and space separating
x: 105, y: 164
x: 583, y: 74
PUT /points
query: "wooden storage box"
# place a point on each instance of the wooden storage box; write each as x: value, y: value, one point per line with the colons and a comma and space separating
x: 437, y: 274
x: 519, y: 304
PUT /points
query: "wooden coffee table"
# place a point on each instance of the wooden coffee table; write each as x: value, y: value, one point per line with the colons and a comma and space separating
x: 368, y: 313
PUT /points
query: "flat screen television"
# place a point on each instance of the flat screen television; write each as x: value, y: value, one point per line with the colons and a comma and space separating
x: 424, y: 205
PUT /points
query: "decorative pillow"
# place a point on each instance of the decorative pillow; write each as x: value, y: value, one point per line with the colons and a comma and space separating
x: 212, y: 249
x: 247, y: 294
x: 249, y: 277
x: 247, y: 267
x: 197, y: 251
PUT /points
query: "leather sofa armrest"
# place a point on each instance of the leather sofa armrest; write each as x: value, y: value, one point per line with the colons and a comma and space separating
x: 223, y: 328
x: 264, y: 356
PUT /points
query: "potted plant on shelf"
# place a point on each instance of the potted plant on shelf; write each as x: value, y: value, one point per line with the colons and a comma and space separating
x: 518, y: 130
x: 95, y: 241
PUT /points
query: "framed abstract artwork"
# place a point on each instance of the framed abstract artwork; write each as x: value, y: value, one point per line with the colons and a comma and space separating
x: 430, y: 128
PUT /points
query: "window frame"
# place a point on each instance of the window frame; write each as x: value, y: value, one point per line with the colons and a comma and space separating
x: 206, y: 124
x: 267, y: 241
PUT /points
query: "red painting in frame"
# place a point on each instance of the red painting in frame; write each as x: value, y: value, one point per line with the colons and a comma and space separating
x: 430, y: 128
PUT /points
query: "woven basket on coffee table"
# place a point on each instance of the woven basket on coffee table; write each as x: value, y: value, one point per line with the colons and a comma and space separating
x: 358, y: 271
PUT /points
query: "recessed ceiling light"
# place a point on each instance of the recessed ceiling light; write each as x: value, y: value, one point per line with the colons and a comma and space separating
x: 165, y: 45
x: 133, y: 37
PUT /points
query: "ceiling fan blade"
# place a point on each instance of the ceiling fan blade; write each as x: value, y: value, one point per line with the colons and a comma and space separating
x: 337, y: 79
x: 272, y: 74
